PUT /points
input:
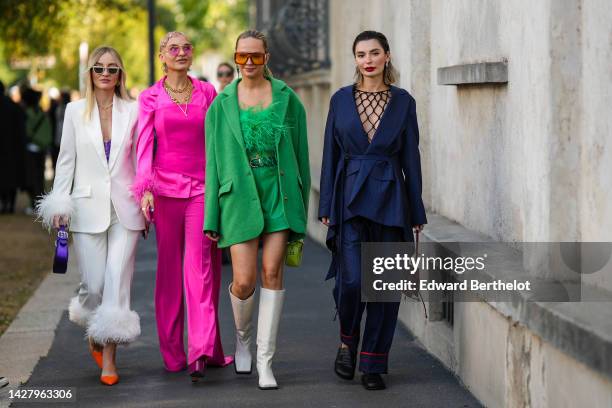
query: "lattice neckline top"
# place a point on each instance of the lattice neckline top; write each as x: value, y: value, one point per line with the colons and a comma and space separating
x: 370, y: 107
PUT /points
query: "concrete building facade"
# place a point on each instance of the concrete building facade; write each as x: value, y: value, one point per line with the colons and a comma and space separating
x: 513, y: 100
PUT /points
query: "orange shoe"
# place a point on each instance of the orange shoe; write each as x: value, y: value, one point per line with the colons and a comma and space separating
x: 109, y: 379
x: 95, y: 354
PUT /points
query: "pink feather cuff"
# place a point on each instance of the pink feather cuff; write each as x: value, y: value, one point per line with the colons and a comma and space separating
x: 142, y: 185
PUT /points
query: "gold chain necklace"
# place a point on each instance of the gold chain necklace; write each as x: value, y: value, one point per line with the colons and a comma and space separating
x: 187, y: 98
x: 177, y: 90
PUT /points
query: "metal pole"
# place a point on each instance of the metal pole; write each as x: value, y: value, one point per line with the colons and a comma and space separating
x: 151, y: 7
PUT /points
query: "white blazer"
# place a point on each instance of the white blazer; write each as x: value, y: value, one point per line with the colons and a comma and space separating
x: 85, y: 183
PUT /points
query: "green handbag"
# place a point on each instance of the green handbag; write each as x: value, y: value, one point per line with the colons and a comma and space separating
x: 293, y: 256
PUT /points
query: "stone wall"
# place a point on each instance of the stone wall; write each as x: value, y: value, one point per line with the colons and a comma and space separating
x: 522, y: 161
x: 594, y: 192
x: 526, y: 160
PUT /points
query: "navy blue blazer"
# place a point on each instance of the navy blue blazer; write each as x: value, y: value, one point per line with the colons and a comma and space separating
x: 382, y: 179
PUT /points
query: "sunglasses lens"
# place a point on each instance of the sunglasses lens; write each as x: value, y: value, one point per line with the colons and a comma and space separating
x: 258, y: 59
x: 188, y: 49
x: 113, y: 71
x: 98, y: 70
x: 243, y: 58
x: 240, y: 58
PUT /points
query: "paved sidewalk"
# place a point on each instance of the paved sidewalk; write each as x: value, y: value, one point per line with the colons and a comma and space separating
x: 303, y: 365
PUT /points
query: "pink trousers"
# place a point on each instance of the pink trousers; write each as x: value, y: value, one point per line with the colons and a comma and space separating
x: 190, y: 263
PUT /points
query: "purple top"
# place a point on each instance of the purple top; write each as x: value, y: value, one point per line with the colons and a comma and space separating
x: 107, y: 146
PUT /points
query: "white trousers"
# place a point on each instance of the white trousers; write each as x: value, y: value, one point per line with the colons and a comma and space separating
x: 106, y: 262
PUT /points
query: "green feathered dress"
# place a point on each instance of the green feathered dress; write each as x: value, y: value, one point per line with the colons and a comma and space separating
x: 261, y: 133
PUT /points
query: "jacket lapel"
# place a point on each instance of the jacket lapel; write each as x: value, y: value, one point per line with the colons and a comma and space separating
x: 347, y: 109
x: 95, y: 134
x: 118, y: 130
x: 280, y: 101
x: 231, y: 114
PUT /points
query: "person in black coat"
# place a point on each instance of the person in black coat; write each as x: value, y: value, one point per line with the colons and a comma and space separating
x: 38, y: 140
x: 12, y: 137
x: 370, y: 192
x: 56, y: 114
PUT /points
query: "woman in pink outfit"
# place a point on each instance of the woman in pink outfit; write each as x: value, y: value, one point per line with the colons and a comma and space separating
x: 170, y: 184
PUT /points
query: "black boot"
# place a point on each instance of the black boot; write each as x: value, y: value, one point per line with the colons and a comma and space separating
x: 373, y: 382
x: 345, y: 363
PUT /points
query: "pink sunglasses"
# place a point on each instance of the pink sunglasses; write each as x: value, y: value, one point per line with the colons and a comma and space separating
x: 175, y: 50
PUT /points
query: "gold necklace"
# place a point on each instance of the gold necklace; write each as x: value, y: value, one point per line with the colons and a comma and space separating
x: 177, y: 90
x: 187, y: 98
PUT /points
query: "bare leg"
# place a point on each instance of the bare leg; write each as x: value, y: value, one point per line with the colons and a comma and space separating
x: 274, y: 246
x: 244, y: 267
x: 108, y: 359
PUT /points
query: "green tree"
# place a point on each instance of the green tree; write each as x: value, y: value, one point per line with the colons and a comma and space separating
x: 213, y: 25
x: 33, y: 28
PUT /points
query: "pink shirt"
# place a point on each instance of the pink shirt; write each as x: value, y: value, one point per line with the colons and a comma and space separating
x: 178, y: 168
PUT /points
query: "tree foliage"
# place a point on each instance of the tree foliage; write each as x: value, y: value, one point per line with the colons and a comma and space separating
x: 213, y: 24
x: 32, y: 28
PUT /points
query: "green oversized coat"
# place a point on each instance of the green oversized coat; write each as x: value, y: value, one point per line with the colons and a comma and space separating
x: 232, y: 207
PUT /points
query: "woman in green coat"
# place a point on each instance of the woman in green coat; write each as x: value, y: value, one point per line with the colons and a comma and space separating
x: 257, y: 187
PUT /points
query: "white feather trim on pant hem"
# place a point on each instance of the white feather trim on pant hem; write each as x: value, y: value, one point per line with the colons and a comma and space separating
x: 113, y: 325
x: 77, y: 313
x: 53, y: 204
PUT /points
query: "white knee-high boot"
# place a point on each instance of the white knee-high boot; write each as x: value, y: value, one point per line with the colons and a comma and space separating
x: 243, y: 316
x: 270, y: 306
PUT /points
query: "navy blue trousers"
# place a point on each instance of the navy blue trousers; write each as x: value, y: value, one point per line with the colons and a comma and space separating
x: 381, y: 317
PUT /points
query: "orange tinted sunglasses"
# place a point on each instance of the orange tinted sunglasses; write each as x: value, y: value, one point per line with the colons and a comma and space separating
x: 257, y: 58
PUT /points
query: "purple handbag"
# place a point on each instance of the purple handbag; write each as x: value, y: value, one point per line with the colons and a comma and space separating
x: 60, y: 261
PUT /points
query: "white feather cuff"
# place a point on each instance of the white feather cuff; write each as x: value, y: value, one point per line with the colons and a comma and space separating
x: 53, y: 204
x: 77, y: 313
x: 111, y: 324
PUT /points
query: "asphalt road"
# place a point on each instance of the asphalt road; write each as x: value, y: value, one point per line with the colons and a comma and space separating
x: 303, y: 365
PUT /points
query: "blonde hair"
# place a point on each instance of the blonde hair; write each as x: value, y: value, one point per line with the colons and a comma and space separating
x: 258, y: 35
x: 164, y: 41
x: 120, y: 89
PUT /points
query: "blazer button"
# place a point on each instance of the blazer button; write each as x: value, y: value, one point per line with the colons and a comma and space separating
x: 286, y: 198
x: 282, y: 173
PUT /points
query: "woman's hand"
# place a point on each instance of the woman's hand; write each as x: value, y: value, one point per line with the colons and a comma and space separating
x: 418, y: 228
x: 212, y: 235
x: 60, y: 220
x: 325, y: 220
x: 146, y: 205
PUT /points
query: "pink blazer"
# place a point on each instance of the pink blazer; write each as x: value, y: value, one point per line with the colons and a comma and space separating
x: 178, y: 167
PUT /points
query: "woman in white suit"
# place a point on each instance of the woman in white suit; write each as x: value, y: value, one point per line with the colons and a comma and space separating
x: 91, y: 195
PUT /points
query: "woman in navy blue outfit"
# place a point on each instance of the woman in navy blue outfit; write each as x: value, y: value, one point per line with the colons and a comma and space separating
x: 370, y: 192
